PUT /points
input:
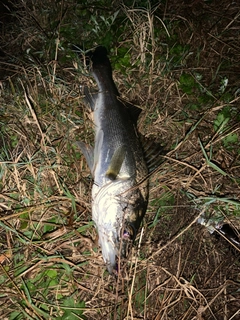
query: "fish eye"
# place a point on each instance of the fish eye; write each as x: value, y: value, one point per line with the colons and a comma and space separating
x: 128, y: 235
x: 129, y: 232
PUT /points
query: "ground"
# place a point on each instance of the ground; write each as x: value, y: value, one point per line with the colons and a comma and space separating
x: 179, y: 62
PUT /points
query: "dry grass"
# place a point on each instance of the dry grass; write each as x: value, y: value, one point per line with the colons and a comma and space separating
x: 49, y: 257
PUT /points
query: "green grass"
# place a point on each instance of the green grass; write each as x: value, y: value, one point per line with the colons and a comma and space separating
x: 187, y: 86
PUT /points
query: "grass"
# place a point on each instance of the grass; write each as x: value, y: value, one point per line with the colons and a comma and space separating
x: 186, y: 81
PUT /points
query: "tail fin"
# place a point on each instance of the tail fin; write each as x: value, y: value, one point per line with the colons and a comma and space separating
x: 99, y: 57
x: 102, y: 70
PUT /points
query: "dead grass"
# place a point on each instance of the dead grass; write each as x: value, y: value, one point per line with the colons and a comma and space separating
x: 49, y: 257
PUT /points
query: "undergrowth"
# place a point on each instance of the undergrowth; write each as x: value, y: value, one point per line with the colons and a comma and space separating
x: 184, y: 76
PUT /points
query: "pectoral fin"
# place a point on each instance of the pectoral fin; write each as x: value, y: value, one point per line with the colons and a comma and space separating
x: 116, y: 162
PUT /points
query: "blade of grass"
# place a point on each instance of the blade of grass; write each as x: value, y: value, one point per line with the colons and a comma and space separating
x: 209, y: 162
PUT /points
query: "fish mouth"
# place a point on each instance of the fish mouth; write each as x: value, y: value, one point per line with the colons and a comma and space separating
x: 109, y: 251
x: 115, y: 249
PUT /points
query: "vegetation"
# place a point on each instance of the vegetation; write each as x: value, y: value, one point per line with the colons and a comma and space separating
x: 178, y: 61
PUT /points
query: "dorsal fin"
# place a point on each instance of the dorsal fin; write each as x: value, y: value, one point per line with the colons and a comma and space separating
x: 133, y: 110
x: 153, y: 152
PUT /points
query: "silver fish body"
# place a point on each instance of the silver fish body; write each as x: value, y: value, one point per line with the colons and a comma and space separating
x: 120, y: 190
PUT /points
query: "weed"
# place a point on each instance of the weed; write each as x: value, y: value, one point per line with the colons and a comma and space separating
x: 186, y: 81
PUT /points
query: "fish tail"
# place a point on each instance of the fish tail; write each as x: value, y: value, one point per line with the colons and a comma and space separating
x: 102, y: 70
x: 99, y: 57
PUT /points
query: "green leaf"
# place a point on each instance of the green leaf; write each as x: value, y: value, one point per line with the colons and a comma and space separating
x: 72, y: 310
x: 15, y: 315
x: 209, y: 162
x: 220, y: 120
x: 187, y: 83
x: 51, y: 273
x: 230, y: 139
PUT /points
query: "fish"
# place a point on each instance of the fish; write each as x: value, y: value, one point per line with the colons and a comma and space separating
x: 120, y: 189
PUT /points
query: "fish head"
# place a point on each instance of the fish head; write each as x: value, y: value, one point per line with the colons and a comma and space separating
x: 115, y: 239
x: 117, y: 221
x: 108, y: 214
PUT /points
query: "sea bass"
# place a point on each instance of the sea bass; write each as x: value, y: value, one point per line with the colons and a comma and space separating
x: 120, y: 189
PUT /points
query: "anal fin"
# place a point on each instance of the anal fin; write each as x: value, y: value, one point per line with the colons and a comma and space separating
x: 90, y: 98
x: 88, y: 153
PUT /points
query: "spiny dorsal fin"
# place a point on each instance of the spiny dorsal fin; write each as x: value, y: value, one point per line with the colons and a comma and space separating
x: 153, y: 152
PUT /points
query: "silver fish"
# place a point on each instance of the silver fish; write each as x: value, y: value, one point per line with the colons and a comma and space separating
x: 120, y: 190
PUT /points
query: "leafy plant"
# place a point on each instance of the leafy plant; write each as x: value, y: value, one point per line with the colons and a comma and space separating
x: 187, y: 83
x: 221, y: 126
x: 72, y: 310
